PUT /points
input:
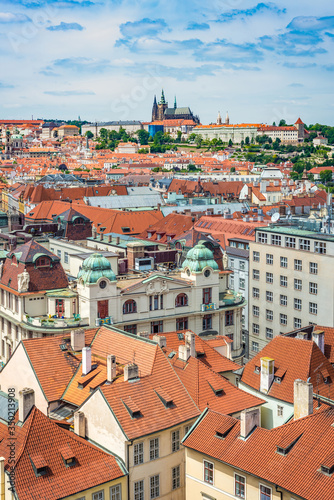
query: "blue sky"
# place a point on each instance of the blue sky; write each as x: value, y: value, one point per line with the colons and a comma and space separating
x: 105, y: 59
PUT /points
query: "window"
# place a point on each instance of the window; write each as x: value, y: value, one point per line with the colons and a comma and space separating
x: 242, y: 265
x: 242, y: 284
x: 262, y: 238
x: 284, y: 262
x: 283, y: 319
x: 313, y: 308
x: 186, y: 429
x: 129, y: 307
x: 313, y: 288
x: 269, y: 333
x: 60, y: 308
x: 255, y: 347
x: 256, y: 311
x: 154, y: 448
x: 208, y: 472
x: 269, y: 258
x: 256, y: 329
x: 256, y: 293
x: 269, y: 296
x: 269, y: 277
x: 239, y: 486
x: 320, y: 247
x: 283, y: 281
x: 297, y: 323
x: 232, y: 282
x: 207, y: 322
x: 229, y: 318
x: 313, y: 268
x: 139, y: 490
x: 269, y: 315
x: 130, y: 329
x: 256, y: 256
x: 256, y: 274
x: 175, y: 441
x: 280, y: 410
x: 181, y: 300
x: 99, y: 495
x: 290, y: 242
x: 138, y: 454
x: 283, y: 300
x: 265, y: 493
x: 176, y: 477
x: 157, y: 326
x: 115, y: 492
x: 298, y: 265
x: 304, y: 245
x: 207, y: 295
x: 297, y: 304
x: 59, y: 255
x: 276, y: 240
x: 297, y: 284
x: 154, y: 486
x: 156, y: 302
x: 232, y: 263
x: 181, y: 324
x: 42, y: 262
x: 66, y: 258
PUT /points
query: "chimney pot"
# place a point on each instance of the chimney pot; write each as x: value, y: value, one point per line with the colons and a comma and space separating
x: 118, y: 240
x: 80, y: 424
x: 78, y: 339
x: 131, y: 372
x: 302, y: 399
x: 267, y: 374
x: 86, y: 360
x: 26, y: 402
x: 111, y: 368
x: 190, y: 342
x: 109, y: 238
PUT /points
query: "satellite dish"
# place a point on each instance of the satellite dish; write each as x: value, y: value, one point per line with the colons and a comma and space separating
x: 275, y: 217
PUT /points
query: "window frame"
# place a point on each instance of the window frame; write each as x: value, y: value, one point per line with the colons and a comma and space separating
x: 177, y: 478
x: 140, y: 494
x: 138, y: 454
x: 283, y: 262
x: 212, y: 471
x: 268, y: 488
x: 269, y: 259
x: 235, y: 486
x: 112, y: 494
x: 175, y: 442
x: 270, y: 278
x: 154, y: 451
x: 155, y: 486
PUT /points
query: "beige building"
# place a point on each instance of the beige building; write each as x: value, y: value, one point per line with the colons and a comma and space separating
x: 130, y: 127
x: 65, y: 130
x: 290, y: 283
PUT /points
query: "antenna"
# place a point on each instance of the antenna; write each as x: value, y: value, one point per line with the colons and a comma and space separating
x: 275, y: 217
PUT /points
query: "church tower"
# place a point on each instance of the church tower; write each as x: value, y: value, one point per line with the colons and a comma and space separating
x: 162, y: 106
x: 219, y: 119
x: 155, y: 109
x: 227, y: 119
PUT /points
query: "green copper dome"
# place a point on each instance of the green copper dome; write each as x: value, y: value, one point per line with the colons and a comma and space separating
x: 95, y: 267
x: 198, y: 258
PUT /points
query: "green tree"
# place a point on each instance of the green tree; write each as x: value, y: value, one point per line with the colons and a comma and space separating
x: 198, y: 140
x: 179, y: 135
x: 230, y: 143
x: 326, y: 176
x: 247, y: 141
x: 89, y: 134
x: 232, y: 169
x: 143, y: 136
x: 104, y: 133
x: 282, y: 123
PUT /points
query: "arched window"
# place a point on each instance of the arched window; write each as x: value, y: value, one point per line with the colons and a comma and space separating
x: 42, y: 262
x: 181, y: 300
x: 129, y: 307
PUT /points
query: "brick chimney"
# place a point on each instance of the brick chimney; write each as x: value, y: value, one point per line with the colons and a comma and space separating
x: 111, y: 368
x: 302, y: 399
x: 26, y: 402
x: 86, y: 360
x: 190, y: 342
x: 249, y: 419
x: 318, y: 336
x: 184, y: 352
x: 267, y: 374
x: 80, y: 424
x: 131, y: 372
x: 78, y: 339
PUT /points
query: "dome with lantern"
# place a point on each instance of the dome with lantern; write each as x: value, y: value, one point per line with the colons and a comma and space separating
x: 199, y: 258
x: 96, y: 266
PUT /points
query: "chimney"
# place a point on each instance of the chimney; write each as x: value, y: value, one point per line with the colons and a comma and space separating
x: 101, y: 237
x: 318, y: 336
x: 184, y: 352
x: 78, y: 339
x: 130, y: 372
x: 302, y: 399
x: 190, y: 343
x: 118, y: 239
x: 109, y: 238
x: 26, y: 402
x: 94, y: 232
x: 80, y: 424
x: 248, y: 420
x: 267, y: 374
x: 86, y: 360
x: 111, y: 368
x: 160, y: 340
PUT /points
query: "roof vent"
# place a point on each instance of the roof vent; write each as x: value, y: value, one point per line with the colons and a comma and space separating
x: 287, y: 444
x: 166, y: 399
x: 39, y: 465
x: 225, y: 429
x: 132, y: 407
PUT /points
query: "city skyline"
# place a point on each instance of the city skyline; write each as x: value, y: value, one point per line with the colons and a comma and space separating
x: 106, y: 60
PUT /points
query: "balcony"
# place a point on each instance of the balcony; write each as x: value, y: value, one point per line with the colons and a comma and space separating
x: 54, y: 322
x: 209, y: 307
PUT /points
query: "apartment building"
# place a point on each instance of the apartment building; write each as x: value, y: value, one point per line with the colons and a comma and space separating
x: 290, y: 283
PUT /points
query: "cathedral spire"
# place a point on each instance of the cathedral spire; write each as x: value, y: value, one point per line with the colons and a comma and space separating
x: 162, y: 100
x: 175, y: 104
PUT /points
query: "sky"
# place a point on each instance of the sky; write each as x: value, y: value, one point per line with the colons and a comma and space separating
x: 106, y: 59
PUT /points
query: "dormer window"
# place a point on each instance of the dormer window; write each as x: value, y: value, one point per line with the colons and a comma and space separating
x: 39, y: 465
x: 67, y: 456
x: 257, y: 369
x: 43, y: 262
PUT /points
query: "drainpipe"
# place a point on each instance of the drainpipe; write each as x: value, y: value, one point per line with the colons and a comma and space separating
x: 128, y: 465
x: 2, y: 478
x: 278, y: 491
